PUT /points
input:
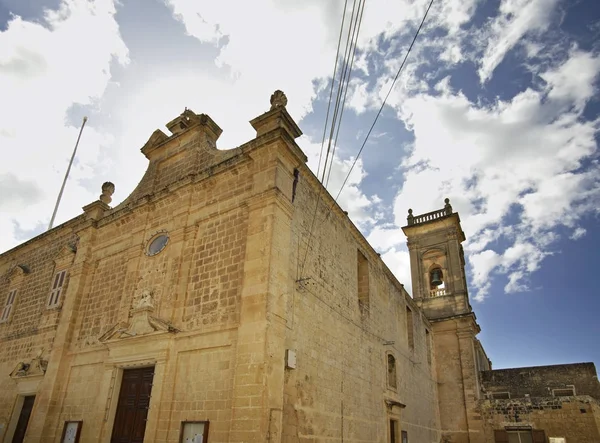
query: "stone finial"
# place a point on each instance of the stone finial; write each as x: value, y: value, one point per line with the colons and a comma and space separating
x: 447, y: 206
x: 410, y: 218
x: 278, y: 100
x: 108, y: 189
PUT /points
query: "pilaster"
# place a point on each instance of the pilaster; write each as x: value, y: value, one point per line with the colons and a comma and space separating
x: 259, y: 371
x: 43, y: 423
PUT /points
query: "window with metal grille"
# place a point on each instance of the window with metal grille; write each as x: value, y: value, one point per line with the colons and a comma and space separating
x: 57, y: 287
x: 520, y: 436
x: 8, y: 306
x: 564, y: 392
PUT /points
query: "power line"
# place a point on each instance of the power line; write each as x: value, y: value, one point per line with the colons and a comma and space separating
x: 349, y: 43
x: 345, y: 64
x: 345, y: 93
x: 314, y: 217
x: 385, y: 99
x: 367, y: 136
x: 332, y: 84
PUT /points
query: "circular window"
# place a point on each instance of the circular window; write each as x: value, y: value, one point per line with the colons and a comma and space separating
x: 157, y: 244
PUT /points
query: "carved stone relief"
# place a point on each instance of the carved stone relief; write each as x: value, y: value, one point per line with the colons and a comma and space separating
x: 141, y: 320
x: 35, y: 366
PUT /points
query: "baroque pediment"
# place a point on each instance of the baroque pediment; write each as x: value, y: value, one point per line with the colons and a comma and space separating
x: 141, y: 322
x: 30, y: 368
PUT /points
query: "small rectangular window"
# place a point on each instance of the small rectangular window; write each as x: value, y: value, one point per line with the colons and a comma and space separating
x: 8, y: 305
x: 57, y: 287
x: 500, y: 395
x: 392, y: 380
x: 194, y: 431
x: 409, y: 328
x: 428, y: 344
x: 404, y: 436
x: 362, y: 272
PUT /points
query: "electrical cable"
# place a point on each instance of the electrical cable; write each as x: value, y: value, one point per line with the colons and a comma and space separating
x: 385, y: 99
x: 340, y: 86
x: 345, y: 94
x: 368, y: 133
x: 334, y: 118
x: 332, y: 84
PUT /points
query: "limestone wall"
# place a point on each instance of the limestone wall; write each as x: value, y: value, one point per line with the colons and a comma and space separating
x: 574, y: 418
x: 561, y: 400
x: 339, y: 388
x: 540, y: 381
x: 31, y: 327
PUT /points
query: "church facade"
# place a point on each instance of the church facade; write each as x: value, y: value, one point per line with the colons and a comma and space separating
x: 230, y: 299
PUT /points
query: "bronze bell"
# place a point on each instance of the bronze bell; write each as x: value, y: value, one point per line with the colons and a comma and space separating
x: 436, y: 277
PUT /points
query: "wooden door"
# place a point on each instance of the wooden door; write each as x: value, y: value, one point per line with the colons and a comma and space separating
x: 19, y: 435
x: 132, y: 406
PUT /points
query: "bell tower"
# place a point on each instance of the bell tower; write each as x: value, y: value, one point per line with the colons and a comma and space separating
x: 439, y: 286
x: 437, y: 262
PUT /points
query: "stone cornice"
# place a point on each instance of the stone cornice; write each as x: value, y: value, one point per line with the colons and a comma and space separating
x: 469, y: 316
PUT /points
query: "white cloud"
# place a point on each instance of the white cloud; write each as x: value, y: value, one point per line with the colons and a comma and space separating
x: 45, y: 68
x: 516, y: 18
x: 16, y: 192
x: 398, y: 260
x: 578, y: 233
x: 521, y: 156
x: 573, y: 81
x: 358, y: 96
x: 272, y: 50
x: 483, y: 263
x: 386, y: 237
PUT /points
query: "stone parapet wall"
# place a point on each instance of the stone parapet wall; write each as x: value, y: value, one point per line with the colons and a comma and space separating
x: 574, y: 418
x: 540, y: 381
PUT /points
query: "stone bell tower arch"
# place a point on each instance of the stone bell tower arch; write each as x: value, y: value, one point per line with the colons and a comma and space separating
x: 440, y: 288
x: 436, y: 252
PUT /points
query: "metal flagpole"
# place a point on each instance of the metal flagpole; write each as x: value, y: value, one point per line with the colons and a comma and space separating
x: 62, y: 188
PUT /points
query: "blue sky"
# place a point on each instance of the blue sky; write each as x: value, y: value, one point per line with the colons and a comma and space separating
x: 497, y: 109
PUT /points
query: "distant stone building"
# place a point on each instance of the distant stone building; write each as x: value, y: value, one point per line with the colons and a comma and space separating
x: 558, y: 401
x: 229, y: 299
